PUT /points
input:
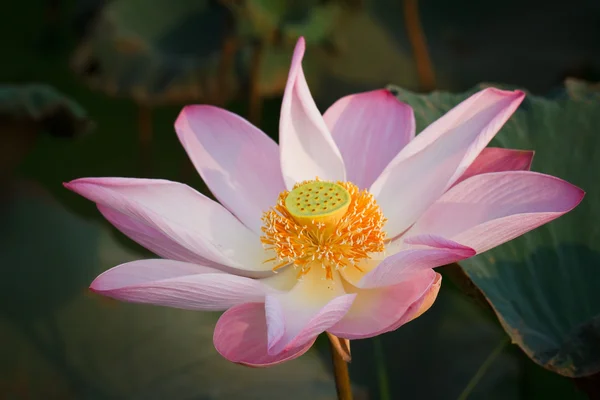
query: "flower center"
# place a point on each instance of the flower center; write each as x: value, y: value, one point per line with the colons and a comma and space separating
x: 318, y: 202
x: 323, y: 224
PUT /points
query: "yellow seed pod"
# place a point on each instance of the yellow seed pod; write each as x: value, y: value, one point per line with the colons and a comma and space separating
x: 318, y: 202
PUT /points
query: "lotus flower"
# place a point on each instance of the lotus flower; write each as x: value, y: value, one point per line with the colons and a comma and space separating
x: 335, y: 230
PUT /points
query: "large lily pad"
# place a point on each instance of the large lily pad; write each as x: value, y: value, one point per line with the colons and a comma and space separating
x: 206, y: 51
x: 194, y: 50
x: 544, y: 285
x: 42, y: 107
x: 60, y: 341
x: 277, y: 21
x: 448, y: 344
x: 164, y: 52
x: 26, y: 111
x: 197, y: 50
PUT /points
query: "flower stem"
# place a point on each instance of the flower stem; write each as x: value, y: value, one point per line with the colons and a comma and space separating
x: 340, y: 371
x: 226, y: 65
x: 416, y: 36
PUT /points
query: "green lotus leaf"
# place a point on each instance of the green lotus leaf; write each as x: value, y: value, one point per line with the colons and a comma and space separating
x: 543, y: 286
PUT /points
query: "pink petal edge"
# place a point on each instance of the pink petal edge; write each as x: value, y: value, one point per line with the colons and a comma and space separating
x: 177, y: 284
x: 152, y: 238
x: 370, y: 129
x: 238, y: 162
x: 433, y: 251
x: 240, y: 336
x: 496, y: 159
x: 487, y: 210
x: 438, y: 156
x: 424, y: 304
x: 210, y: 231
x: 281, y: 338
x: 376, y: 311
x: 420, y: 306
x: 307, y: 148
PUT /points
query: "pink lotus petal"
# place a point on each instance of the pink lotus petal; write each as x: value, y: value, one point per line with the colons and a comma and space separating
x: 420, y: 241
x: 293, y: 326
x: 376, y: 311
x: 431, y: 241
x: 487, y: 210
x: 422, y: 305
x: 433, y: 251
x: 152, y: 238
x: 307, y: 148
x: 238, y: 162
x: 370, y: 129
x: 495, y: 159
x: 178, y: 284
x: 163, y: 246
x: 310, y: 308
x: 437, y: 157
x: 241, y: 337
x: 187, y: 219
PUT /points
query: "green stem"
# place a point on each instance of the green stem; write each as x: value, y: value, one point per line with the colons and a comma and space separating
x: 483, y: 369
x: 382, y: 377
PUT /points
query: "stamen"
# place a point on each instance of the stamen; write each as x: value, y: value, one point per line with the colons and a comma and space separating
x: 334, y: 234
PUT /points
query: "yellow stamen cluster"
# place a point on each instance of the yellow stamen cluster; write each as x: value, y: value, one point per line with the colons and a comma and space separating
x: 318, y: 223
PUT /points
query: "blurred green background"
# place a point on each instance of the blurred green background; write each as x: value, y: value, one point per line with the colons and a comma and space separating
x: 92, y: 88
